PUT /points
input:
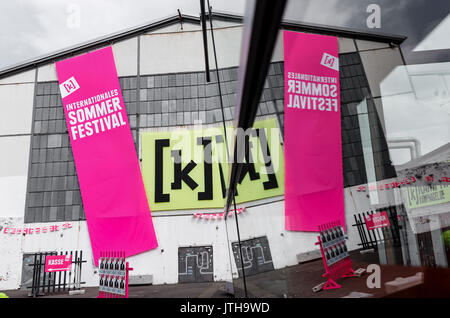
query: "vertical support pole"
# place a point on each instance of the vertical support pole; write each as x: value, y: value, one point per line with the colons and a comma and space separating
x: 65, y: 276
x: 99, y: 275
x: 45, y: 275
x: 126, y: 282
x: 70, y: 273
x: 75, y: 270
x: 33, y: 283
x: 128, y: 269
x: 59, y: 276
x: 108, y: 255
x: 38, y: 287
x: 79, y: 273
x: 359, y: 231
x: 368, y: 242
x: 205, y: 39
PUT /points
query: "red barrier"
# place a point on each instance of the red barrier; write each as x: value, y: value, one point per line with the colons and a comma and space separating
x: 336, y: 260
x: 113, y: 275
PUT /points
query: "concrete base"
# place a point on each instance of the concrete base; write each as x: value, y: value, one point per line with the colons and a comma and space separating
x: 358, y: 295
x: 402, y: 283
x: 359, y: 272
x: 308, y: 256
x: 370, y: 250
x: 76, y: 292
x: 318, y: 288
x: 140, y: 280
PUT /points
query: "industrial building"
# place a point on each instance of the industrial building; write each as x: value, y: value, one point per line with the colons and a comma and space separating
x: 162, y: 76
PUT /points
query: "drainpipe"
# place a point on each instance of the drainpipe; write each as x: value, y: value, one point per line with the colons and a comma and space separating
x: 406, y: 142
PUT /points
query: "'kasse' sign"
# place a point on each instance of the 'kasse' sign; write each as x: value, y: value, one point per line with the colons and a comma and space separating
x: 377, y: 220
x: 189, y: 168
x: 58, y: 263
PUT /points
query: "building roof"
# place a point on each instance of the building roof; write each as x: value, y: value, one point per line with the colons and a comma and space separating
x: 153, y: 26
x: 439, y: 155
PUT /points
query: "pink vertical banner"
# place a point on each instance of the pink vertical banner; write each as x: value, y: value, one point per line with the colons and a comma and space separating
x: 314, y: 190
x: 114, y: 199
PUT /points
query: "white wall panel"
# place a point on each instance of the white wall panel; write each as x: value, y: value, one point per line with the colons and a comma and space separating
x: 346, y: 45
x: 16, y: 108
x: 12, y: 196
x: 47, y: 73
x: 278, y: 50
x: 228, y: 47
x: 23, y: 77
x: 364, y: 45
x: 14, y: 156
x: 169, y: 53
x: 125, y: 56
x: 10, y: 255
x: 378, y: 64
x: 13, y: 175
x: 183, y: 52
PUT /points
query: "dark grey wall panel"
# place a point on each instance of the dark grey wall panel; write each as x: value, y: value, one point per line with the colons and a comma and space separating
x: 256, y: 256
x: 195, y: 264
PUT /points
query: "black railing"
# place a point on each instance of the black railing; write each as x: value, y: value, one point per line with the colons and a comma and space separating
x: 44, y: 283
x: 371, y: 238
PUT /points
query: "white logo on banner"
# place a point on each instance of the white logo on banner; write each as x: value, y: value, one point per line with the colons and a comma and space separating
x: 68, y: 87
x: 330, y: 61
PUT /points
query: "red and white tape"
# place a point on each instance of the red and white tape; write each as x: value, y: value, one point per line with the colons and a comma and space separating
x: 217, y: 216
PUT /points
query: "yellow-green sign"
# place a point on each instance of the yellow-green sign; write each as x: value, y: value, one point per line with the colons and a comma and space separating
x: 422, y: 196
x: 189, y: 169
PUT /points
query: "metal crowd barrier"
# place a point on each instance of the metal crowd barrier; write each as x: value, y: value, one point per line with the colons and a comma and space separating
x: 44, y: 283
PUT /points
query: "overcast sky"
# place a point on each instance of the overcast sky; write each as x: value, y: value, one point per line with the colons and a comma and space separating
x: 31, y: 28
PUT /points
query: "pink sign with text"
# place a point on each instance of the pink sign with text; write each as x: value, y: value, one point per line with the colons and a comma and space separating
x: 114, y: 198
x: 314, y: 189
x: 58, y: 263
x: 377, y: 220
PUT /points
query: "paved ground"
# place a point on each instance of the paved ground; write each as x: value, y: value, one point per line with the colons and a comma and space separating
x: 294, y: 281
x: 195, y: 290
x: 298, y: 281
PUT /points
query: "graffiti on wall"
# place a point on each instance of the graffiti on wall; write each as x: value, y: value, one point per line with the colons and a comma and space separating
x: 255, y: 254
x: 195, y: 264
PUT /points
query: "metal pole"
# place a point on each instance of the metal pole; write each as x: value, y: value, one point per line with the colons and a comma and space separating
x: 240, y: 248
x: 224, y: 130
x: 205, y: 39
x: 261, y: 25
x: 226, y: 143
x: 217, y: 72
